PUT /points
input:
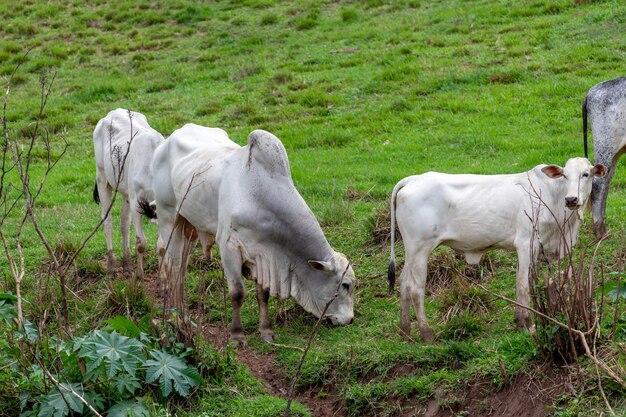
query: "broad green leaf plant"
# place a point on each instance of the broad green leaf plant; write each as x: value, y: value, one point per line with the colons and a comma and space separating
x: 113, y: 373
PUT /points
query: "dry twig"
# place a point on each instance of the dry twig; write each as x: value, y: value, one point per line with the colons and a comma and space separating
x: 292, y: 386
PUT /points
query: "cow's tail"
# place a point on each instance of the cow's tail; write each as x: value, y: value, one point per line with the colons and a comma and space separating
x: 585, y: 126
x: 391, y: 271
x: 96, y: 195
x: 146, y: 208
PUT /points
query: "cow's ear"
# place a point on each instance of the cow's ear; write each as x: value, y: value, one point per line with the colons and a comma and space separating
x: 553, y: 171
x: 321, y: 265
x: 599, y: 170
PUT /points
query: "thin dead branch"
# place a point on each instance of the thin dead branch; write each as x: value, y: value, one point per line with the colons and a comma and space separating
x: 292, y: 386
x: 72, y: 391
x: 581, y: 335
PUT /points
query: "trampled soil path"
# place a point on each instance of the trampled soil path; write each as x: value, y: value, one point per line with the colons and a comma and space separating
x: 526, y: 396
x: 262, y: 365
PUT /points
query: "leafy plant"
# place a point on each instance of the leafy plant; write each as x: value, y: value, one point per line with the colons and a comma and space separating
x: 124, y: 325
x: 128, y: 409
x: 615, y: 290
x: 7, y: 309
x: 59, y: 401
x: 116, y: 369
x: 171, y: 371
x: 111, y: 353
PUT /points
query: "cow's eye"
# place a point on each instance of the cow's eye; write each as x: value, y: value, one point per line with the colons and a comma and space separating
x: 586, y: 174
x: 345, y: 286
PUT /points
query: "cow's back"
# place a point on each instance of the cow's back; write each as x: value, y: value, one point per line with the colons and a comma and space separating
x: 465, y: 212
x: 258, y: 195
x: 606, y: 105
x: 189, y: 167
x: 112, y: 136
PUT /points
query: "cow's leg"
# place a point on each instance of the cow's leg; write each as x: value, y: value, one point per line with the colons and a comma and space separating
x: 600, y: 192
x: 421, y: 269
x: 165, y: 230
x: 140, y: 239
x: 207, y: 241
x: 168, y: 255
x: 125, y: 222
x: 104, y: 191
x: 265, y: 324
x: 412, y: 293
x: 183, y: 241
x: 172, y: 268
x: 232, y: 263
x: 522, y: 315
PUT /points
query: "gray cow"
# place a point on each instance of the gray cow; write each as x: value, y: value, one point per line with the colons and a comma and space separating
x: 209, y: 188
x: 605, y: 104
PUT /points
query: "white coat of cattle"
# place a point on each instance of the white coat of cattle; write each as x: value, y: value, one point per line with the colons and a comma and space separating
x: 243, y: 198
x: 128, y: 170
x: 475, y: 213
x: 605, y: 104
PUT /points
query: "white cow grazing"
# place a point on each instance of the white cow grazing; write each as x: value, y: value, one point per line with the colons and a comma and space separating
x: 475, y: 213
x: 128, y: 170
x: 210, y: 188
x: 606, y: 105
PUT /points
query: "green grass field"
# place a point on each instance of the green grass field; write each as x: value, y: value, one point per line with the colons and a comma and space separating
x: 361, y: 94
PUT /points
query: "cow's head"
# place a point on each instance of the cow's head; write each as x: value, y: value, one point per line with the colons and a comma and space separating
x: 329, y: 277
x: 578, y: 173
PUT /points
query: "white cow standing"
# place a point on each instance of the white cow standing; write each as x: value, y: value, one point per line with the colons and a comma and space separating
x: 605, y: 103
x: 210, y: 188
x: 129, y: 170
x: 475, y: 213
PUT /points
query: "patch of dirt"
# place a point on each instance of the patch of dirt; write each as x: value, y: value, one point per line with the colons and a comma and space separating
x: 265, y: 369
x: 527, y: 396
x: 262, y: 365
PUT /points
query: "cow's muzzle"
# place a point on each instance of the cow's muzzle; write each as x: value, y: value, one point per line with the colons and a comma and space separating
x: 571, y: 202
x: 344, y: 321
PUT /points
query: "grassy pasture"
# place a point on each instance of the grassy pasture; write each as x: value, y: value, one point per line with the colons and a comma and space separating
x: 362, y: 94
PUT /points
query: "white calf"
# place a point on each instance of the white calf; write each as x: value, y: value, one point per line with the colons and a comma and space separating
x: 475, y: 213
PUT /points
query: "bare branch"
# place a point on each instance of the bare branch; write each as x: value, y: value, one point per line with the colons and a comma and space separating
x: 292, y: 387
x: 582, y: 335
x: 74, y: 393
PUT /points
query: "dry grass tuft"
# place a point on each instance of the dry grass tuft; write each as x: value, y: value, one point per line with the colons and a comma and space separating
x: 446, y: 268
x: 352, y: 194
x: 379, y: 226
x: 450, y: 277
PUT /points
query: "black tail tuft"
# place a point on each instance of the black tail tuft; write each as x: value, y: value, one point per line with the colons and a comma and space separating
x: 585, y: 126
x: 391, y: 275
x: 146, y: 209
x: 96, y: 196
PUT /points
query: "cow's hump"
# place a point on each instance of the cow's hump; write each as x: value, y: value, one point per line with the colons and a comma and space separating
x: 267, y: 151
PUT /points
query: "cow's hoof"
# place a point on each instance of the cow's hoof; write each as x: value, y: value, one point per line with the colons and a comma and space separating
x: 111, y: 264
x: 427, y: 335
x: 238, y: 341
x: 522, y: 321
x: 267, y: 336
x: 127, y: 264
x: 405, y: 332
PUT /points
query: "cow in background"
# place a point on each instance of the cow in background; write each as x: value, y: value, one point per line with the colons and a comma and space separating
x: 531, y: 212
x: 605, y: 104
x: 243, y: 198
x: 124, y: 144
